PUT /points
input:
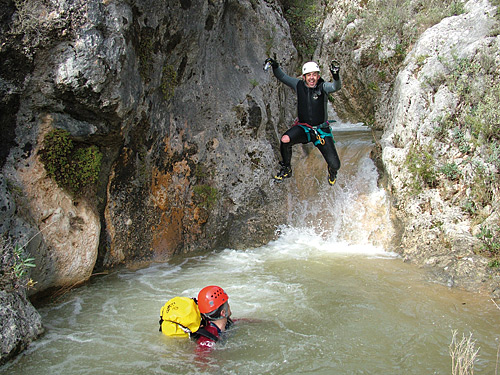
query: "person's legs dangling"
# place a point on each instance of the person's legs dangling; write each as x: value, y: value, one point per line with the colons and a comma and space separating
x: 329, y: 152
x: 291, y: 137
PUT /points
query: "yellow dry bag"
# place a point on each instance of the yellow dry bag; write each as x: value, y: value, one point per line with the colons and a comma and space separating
x: 179, y: 317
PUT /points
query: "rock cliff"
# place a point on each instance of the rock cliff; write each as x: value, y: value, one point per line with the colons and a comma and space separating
x: 185, y: 117
x: 174, y: 97
x: 432, y: 97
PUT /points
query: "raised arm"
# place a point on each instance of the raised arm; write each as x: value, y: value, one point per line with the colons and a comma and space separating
x: 330, y: 87
x: 286, y: 79
x: 281, y: 75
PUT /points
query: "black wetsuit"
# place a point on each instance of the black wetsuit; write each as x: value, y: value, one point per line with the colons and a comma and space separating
x: 312, y: 110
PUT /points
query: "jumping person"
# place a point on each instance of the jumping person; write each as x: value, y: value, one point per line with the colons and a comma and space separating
x: 311, y: 124
x: 213, y: 303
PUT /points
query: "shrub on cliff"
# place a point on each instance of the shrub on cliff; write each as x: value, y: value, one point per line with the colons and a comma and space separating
x: 303, y: 18
x: 74, y: 167
x: 14, y: 266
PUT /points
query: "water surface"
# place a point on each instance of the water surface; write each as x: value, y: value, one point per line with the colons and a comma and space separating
x: 327, y: 297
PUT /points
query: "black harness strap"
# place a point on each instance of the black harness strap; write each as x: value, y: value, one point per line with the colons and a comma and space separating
x: 208, y: 335
x: 185, y: 329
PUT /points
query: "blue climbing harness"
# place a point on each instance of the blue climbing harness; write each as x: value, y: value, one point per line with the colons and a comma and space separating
x: 318, y: 131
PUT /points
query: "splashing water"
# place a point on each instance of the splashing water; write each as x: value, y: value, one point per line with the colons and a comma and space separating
x: 326, y: 297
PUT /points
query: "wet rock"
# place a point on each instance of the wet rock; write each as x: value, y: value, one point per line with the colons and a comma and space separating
x: 186, y: 118
x: 434, y: 229
x: 20, y: 324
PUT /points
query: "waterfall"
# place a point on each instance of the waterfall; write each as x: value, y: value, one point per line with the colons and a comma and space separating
x: 325, y: 297
x: 354, y: 212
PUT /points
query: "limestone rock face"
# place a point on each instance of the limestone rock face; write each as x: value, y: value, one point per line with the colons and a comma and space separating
x: 69, y: 229
x: 20, y: 323
x: 174, y: 96
x: 201, y: 138
x: 434, y: 229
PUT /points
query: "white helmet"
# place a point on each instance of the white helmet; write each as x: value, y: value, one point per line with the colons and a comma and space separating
x: 310, y: 67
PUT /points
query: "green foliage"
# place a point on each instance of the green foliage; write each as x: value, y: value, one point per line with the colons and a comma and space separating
x: 444, y: 123
x: 351, y: 17
x: 73, y: 167
x: 205, y: 196
x: 489, y: 242
x: 459, y: 138
x: 494, y: 154
x: 451, y: 171
x: 303, y: 18
x: 495, y: 263
x: 14, y: 265
x: 394, y: 26
x: 420, y: 163
x: 145, y: 53
x: 469, y: 207
x: 482, y: 186
x: 403, y: 21
x: 474, y: 128
x: 421, y: 59
x: 22, y: 263
x: 400, y: 52
x: 477, y: 84
x: 382, y: 75
x: 168, y: 82
x: 484, y: 117
x: 373, y: 86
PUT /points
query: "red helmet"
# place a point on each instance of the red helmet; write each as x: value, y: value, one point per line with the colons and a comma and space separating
x: 211, y: 298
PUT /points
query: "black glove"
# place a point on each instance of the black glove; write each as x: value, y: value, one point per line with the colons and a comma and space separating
x: 270, y: 61
x: 334, y: 69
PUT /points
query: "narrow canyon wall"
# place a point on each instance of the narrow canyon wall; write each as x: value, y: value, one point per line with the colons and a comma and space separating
x: 409, y: 105
x: 175, y: 97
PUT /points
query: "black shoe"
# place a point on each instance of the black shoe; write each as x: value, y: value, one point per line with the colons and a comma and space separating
x: 332, y: 177
x: 285, y: 172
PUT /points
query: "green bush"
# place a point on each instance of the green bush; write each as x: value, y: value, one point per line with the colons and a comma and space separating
x: 477, y: 84
x: 74, y: 167
x: 22, y: 263
x: 303, y: 18
x: 483, y: 186
x: 14, y: 265
x: 490, y: 244
x: 451, y: 171
x: 474, y: 128
x: 420, y: 163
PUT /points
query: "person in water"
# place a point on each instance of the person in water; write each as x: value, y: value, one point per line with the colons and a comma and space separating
x: 213, y: 303
x: 311, y: 124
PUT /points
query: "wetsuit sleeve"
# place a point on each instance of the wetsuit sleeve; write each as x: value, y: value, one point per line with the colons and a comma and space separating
x: 330, y: 87
x: 286, y: 79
